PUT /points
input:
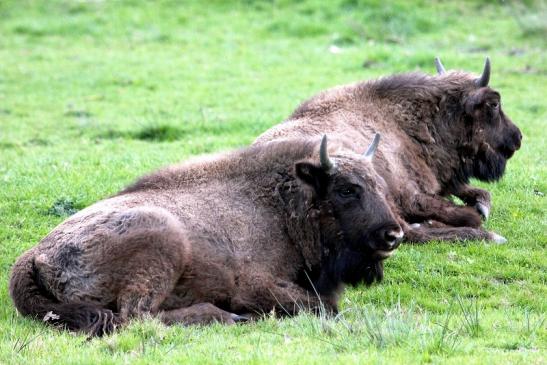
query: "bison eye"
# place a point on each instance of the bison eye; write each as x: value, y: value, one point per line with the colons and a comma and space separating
x: 347, y: 192
x: 494, y: 105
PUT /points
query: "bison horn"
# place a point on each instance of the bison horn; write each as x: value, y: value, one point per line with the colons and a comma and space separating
x: 326, y: 163
x: 372, y: 148
x: 485, y: 77
x: 439, y: 66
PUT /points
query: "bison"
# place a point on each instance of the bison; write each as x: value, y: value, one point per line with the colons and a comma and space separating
x: 439, y: 131
x: 281, y: 226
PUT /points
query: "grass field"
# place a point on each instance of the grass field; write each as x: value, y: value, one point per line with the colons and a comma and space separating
x: 95, y: 93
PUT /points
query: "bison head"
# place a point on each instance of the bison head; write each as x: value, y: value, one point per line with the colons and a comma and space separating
x: 490, y: 137
x: 358, y: 228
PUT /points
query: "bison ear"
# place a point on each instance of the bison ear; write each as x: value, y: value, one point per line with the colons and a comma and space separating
x: 313, y: 175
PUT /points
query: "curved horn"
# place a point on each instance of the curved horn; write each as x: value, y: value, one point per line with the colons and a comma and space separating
x: 485, y: 77
x: 326, y: 163
x: 439, y: 66
x: 372, y: 148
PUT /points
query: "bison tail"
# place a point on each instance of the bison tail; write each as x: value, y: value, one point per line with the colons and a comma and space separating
x: 31, y: 298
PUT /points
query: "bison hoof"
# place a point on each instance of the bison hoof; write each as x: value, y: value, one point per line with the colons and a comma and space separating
x: 497, y: 238
x: 237, y: 318
x: 483, y: 210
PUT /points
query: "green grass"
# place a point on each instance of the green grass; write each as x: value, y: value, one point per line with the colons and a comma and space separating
x: 96, y: 93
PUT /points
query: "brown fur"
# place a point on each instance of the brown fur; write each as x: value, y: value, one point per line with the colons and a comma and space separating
x: 218, y: 239
x: 438, y: 132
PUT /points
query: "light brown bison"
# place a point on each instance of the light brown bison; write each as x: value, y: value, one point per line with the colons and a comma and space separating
x: 282, y: 226
x: 439, y: 131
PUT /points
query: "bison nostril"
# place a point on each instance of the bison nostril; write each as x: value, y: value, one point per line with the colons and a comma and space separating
x: 393, y: 237
x: 519, y: 140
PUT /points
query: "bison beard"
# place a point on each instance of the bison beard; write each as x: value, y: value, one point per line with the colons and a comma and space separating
x: 355, y: 267
x: 348, y: 267
x: 343, y: 262
x: 488, y: 165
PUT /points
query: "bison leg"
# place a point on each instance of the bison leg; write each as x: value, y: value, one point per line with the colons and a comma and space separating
x: 150, y: 281
x: 423, y: 207
x: 422, y: 234
x: 202, y: 313
x: 476, y: 198
x: 145, y: 264
x: 260, y: 295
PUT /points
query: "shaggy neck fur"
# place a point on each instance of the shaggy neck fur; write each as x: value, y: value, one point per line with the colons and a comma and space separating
x: 440, y: 132
x: 329, y: 263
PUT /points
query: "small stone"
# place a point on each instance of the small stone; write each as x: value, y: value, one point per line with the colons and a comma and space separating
x: 497, y: 238
x: 335, y: 49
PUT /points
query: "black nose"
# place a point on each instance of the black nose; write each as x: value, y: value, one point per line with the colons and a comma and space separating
x: 518, y: 139
x: 511, y: 144
x: 390, y: 237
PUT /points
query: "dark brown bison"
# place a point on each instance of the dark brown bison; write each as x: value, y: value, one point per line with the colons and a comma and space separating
x: 439, y: 131
x: 282, y: 226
